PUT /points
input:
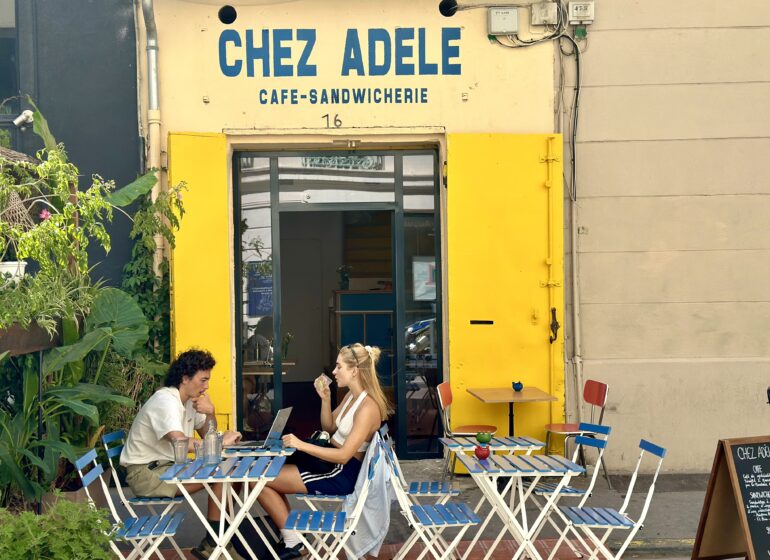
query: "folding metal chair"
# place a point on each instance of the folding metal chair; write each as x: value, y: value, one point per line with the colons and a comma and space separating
x: 429, y: 521
x: 432, y: 489
x: 595, y: 394
x: 588, y: 519
x: 444, y: 391
x: 544, y: 490
x: 332, y: 529
x: 113, y: 447
x: 144, y: 533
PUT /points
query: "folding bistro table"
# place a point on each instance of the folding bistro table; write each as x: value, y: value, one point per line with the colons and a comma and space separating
x: 508, y: 395
x: 252, y: 472
x: 512, y: 512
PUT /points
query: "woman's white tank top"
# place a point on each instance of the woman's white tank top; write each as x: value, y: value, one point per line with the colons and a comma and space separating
x: 345, y: 421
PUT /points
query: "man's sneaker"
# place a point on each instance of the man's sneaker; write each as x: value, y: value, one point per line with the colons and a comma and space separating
x: 205, y: 548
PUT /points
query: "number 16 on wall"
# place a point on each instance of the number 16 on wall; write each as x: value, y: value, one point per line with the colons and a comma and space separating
x: 332, y: 121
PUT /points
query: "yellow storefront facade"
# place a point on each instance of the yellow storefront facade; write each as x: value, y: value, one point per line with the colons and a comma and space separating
x: 307, y: 79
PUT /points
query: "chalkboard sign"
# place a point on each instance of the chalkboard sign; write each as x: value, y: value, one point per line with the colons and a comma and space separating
x: 752, y: 469
x: 735, y: 520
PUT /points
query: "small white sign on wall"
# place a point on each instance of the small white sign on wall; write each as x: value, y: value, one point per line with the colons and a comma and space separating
x: 424, y: 278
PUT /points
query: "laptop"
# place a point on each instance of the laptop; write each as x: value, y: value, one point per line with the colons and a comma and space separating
x: 273, y: 436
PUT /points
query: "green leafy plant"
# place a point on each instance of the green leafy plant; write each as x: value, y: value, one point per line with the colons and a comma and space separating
x: 30, y: 465
x: 68, y: 530
x: 57, y: 222
x: 149, y: 287
x: 5, y: 138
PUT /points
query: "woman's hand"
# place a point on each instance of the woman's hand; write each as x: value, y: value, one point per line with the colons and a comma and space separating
x: 321, y: 385
x: 290, y: 440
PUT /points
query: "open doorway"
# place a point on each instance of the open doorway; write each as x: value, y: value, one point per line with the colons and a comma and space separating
x: 336, y: 288
x: 336, y: 249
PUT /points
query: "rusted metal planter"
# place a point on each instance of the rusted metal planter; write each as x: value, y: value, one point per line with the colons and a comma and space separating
x: 18, y: 340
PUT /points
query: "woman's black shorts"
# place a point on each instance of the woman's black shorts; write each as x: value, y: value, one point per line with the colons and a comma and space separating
x: 322, y: 477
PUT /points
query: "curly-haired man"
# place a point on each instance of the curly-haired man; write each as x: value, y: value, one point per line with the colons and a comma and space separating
x: 173, y: 412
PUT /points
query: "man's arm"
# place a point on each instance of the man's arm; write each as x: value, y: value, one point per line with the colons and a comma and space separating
x: 171, y: 436
x: 203, y: 405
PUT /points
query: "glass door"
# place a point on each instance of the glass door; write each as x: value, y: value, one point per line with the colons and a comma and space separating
x: 418, y: 298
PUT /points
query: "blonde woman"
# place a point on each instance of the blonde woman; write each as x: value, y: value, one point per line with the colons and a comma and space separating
x: 313, y: 469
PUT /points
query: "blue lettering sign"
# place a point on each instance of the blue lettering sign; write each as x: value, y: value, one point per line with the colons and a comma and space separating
x: 253, y: 53
x: 303, y: 68
x: 281, y: 53
x: 400, y: 52
x: 450, y: 51
x: 425, y: 68
x: 379, y: 37
x: 229, y: 36
x: 404, y: 51
x: 351, y: 57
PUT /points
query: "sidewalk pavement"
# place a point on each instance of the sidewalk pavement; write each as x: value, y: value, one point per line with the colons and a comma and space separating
x: 668, y: 532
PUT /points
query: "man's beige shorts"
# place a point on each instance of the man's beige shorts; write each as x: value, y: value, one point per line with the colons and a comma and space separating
x: 146, y: 483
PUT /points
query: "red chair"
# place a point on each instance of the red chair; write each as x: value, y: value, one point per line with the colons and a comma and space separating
x: 594, y: 394
x: 445, y: 401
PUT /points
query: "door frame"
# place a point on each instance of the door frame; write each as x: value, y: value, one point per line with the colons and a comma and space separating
x: 398, y: 244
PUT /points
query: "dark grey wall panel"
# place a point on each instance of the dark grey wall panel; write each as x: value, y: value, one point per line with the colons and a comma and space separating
x: 81, y: 70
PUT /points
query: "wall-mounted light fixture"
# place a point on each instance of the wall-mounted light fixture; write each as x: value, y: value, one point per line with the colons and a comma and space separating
x: 25, y: 118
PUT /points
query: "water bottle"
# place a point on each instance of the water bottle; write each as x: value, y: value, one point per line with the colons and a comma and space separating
x: 212, y: 445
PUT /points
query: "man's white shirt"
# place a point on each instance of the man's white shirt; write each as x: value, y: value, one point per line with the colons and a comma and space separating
x: 162, y: 413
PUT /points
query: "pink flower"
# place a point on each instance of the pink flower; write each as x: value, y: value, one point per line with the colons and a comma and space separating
x: 45, y: 214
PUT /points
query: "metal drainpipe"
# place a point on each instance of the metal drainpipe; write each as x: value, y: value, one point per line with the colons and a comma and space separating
x: 577, y: 350
x: 153, y: 114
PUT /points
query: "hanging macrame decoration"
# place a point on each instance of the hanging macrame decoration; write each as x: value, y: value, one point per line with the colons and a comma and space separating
x: 14, y: 212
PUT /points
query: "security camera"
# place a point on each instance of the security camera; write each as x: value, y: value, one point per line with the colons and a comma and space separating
x: 26, y: 117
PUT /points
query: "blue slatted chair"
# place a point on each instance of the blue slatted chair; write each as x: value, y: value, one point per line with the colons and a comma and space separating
x: 429, y: 521
x: 331, y: 529
x: 113, y: 447
x: 438, y: 490
x: 544, y: 490
x: 144, y: 533
x: 590, y: 520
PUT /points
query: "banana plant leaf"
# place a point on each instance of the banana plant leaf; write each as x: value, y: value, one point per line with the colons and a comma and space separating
x: 88, y: 411
x: 119, y: 311
x: 90, y: 392
x: 57, y: 358
x: 129, y: 193
x: 29, y: 488
x: 40, y: 126
x: 60, y: 448
x: 116, y: 320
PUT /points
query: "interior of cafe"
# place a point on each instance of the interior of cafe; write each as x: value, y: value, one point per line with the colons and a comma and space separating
x: 347, y: 253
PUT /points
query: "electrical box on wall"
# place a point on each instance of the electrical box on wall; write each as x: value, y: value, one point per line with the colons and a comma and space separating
x: 503, y: 20
x: 581, y: 13
x: 544, y: 13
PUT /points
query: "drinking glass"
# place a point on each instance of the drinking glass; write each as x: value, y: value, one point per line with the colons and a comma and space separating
x: 180, y: 450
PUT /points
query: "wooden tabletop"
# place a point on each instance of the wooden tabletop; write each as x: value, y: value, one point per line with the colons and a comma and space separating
x: 508, y: 395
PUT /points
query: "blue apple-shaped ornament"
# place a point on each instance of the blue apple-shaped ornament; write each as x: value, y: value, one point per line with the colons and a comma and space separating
x: 517, y: 386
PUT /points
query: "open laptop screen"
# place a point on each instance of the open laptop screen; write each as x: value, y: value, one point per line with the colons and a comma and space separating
x: 273, y: 436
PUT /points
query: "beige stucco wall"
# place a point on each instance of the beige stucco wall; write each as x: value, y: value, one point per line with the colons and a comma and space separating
x: 673, y: 209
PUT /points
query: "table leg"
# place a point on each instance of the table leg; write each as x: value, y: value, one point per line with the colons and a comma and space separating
x: 510, y: 419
